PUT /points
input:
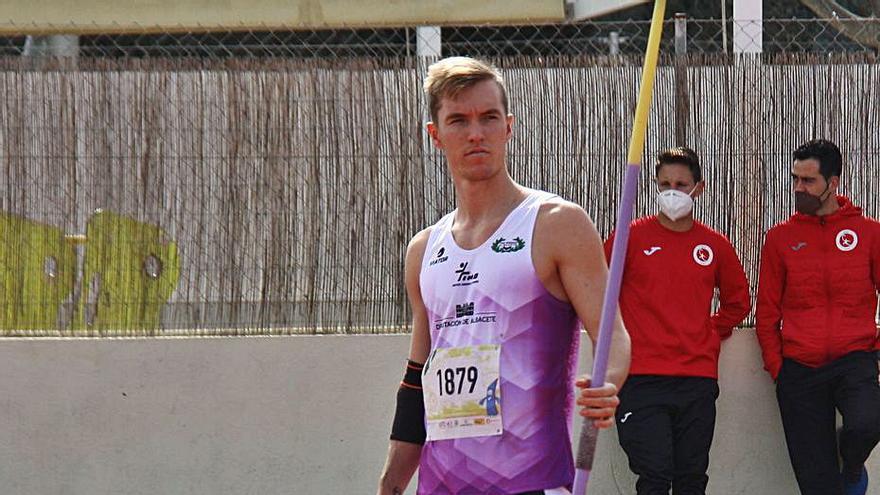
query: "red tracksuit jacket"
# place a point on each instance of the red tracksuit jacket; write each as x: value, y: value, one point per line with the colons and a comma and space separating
x: 669, y: 281
x: 817, y: 291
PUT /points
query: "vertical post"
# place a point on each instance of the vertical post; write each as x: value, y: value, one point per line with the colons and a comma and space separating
x: 428, y: 41
x: 681, y: 81
x: 723, y: 26
x: 748, y: 29
x: 681, y: 32
x: 750, y: 224
x: 614, y: 43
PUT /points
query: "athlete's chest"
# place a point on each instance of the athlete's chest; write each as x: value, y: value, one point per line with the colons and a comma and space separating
x: 502, y: 264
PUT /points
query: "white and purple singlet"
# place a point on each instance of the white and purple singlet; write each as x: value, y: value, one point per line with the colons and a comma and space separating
x: 498, y: 384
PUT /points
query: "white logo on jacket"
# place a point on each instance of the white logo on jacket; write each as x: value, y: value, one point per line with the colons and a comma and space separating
x: 654, y: 249
x: 703, y: 255
x: 847, y: 240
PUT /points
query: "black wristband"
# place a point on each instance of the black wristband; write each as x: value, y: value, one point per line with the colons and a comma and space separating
x: 409, y: 416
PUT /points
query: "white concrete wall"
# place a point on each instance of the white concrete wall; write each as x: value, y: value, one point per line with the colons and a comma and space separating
x: 283, y: 415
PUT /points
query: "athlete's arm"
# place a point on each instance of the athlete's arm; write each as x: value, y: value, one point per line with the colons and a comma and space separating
x: 403, y: 457
x: 566, y: 237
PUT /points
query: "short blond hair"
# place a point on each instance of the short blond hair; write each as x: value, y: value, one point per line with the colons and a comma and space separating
x: 447, y: 78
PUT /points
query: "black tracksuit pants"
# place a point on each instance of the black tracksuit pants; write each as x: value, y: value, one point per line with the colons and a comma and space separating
x: 808, y: 398
x: 665, y: 425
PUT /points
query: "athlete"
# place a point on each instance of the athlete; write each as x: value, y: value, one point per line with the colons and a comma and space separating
x: 497, y: 287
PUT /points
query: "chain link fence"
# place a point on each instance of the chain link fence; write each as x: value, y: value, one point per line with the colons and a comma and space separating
x: 706, y: 36
x: 268, y: 182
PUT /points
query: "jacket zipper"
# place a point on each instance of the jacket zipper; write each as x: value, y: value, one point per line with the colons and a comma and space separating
x: 827, y: 292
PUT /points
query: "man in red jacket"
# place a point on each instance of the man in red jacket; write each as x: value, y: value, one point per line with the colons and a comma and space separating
x: 666, y: 417
x: 817, y: 301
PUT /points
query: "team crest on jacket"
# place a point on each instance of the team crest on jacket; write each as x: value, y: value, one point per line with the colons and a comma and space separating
x: 847, y: 240
x: 703, y: 255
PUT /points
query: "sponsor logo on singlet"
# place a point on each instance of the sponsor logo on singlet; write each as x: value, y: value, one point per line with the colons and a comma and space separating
x: 466, y: 309
x: 465, y: 314
x: 440, y: 257
x: 465, y: 276
x: 502, y: 245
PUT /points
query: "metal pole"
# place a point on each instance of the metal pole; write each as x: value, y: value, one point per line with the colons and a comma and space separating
x: 428, y: 41
x: 614, y: 43
x: 723, y: 26
x: 681, y: 33
x: 748, y: 26
x: 681, y: 82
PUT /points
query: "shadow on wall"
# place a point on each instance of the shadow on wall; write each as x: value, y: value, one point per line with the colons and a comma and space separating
x: 118, y: 275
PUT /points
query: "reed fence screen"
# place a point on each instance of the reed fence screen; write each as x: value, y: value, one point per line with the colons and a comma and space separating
x: 290, y: 187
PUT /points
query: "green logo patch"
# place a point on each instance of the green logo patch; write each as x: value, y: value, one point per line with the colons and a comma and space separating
x: 504, y: 246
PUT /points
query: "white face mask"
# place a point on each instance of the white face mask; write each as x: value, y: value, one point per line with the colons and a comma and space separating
x: 676, y: 204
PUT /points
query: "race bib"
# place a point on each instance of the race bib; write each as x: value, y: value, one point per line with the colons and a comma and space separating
x: 462, y: 392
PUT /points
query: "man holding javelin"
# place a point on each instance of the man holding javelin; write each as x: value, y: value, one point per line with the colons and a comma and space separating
x: 817, y: 303
x: 497, y: 287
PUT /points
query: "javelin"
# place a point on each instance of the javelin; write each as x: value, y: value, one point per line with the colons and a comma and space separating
x: 587, y: 443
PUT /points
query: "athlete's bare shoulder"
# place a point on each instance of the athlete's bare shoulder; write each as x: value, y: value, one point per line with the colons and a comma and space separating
x: 558, y: 219
x: 420, y: 240
x: 565, y: 243
x: 415, y: 250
